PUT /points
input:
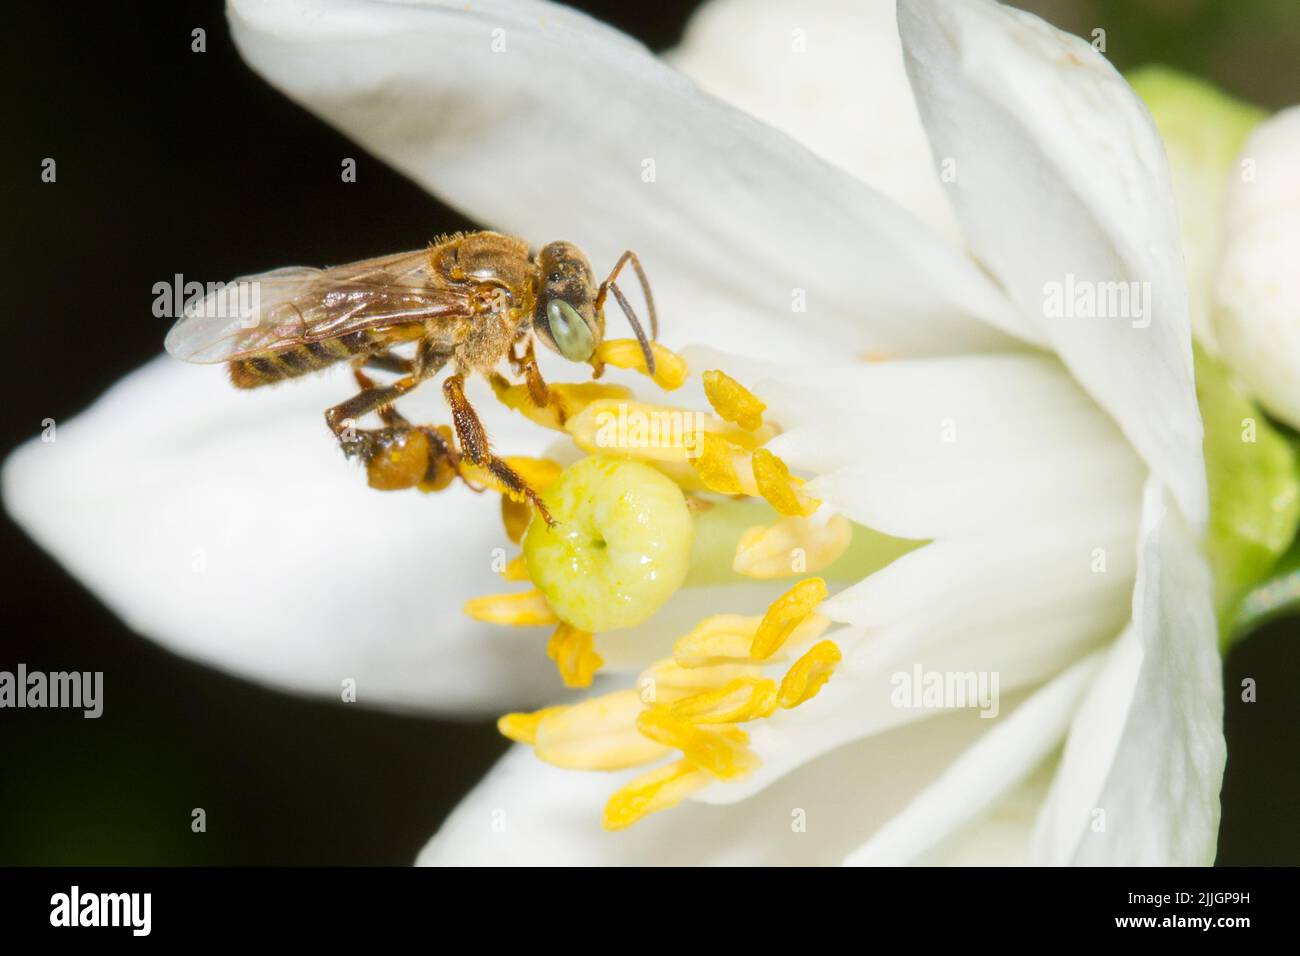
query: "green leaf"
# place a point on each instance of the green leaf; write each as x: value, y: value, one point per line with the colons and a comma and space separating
x: 1254, y: 500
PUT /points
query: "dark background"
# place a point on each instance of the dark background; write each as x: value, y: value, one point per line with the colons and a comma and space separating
x: 170, y: 161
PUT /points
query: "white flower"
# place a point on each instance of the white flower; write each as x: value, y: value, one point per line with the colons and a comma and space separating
x: 1053, y: 463
x: 1257, y: 285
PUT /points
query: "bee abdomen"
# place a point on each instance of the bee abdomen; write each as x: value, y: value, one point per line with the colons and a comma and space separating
x: 271, y: 367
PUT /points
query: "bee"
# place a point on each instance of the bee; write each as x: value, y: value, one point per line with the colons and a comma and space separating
x: 468, y: 301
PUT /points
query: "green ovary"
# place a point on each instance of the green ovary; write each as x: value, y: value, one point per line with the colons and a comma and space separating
x: 621, y: 545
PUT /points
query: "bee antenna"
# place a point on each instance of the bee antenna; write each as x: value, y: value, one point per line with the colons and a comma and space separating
x: 609, y: 285
x: 633, y: 321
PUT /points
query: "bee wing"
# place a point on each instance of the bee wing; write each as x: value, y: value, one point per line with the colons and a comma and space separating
x: 298, y: 305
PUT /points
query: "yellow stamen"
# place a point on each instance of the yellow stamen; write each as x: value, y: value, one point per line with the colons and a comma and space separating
x: 778, y: 487
x: 724, y: 752
x: 792, y: 546
x: 666, y: 681
x: 785, y: 614
x: 729, y: 639
x: 670, y: 368
x: 522, y: 727
x: 566, y: 399
x: 538, y: 474
x: 721, y: 466
x: 570, y: 648
x: 515, y: 515
x: 525, y: 609
x: 597, y: 734
x: 651, y: 792
x: 732, y: 401
x: 809, y: 673
x: 743, y: 699
x: 516, y: 569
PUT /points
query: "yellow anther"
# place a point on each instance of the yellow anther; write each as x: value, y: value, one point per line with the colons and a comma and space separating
x: 724, y: 753
x: 720, y: 639
x: 670, y: 368
x: 597, y: 734
x: 732, y: 401
x: 525, y: 609
x: 785, y: 614
x: 516, y: 569
x: 778, y: 487
x: 640, y: 430
x: 728, y: 639
x: 651, y: 792
x: 538, y: 473
x: 806, y: 677
x: 570, y: 648
x: 792, y: 546
x: 745, y: 698
x: 721, y: 465
x: 522, y: 728
x: 666, y: 681
x: 515, y: 515
x: 566, y: 399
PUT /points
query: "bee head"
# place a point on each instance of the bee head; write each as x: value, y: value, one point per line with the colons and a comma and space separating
x: 565, y: 318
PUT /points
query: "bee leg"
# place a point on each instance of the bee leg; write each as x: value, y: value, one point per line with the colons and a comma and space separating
x: 474, y: 444
x: 388, y: 362
x: 399, y: 455
x: 342, y: 417
x: 526, y: 365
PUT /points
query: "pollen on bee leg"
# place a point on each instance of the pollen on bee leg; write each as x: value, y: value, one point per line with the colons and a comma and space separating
x: 571, y: 649
x: 525, y: 609
x: 670, y: 368
x: 597, y: 734
x: 793, y: 545
x: 722, y: 752
x: 806, y: 677
x: 778, y: 487
x: 785, y: 614
x: 660, y: 789
x: 732, y: 401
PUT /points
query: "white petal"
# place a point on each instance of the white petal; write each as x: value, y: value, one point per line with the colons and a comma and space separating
x: 529, y: 813
x: 927, y: 448
x: 1019, y: 608
x: 1266, y: 177
x: 227, y: 526
x: 1060, y: 174
x: 1257, y: 289
x: 990, y: 770
x: 830, y: 73
x: 1146, y: 748
x: 569, y: 129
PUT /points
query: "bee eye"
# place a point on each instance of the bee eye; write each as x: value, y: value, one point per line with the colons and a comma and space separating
x: 571, y: 333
